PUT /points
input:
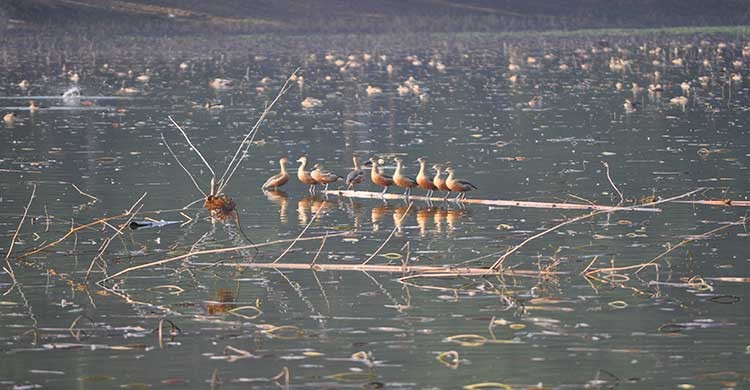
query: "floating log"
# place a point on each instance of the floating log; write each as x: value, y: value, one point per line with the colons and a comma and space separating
x: 424, y: 270
x: 490, y: 202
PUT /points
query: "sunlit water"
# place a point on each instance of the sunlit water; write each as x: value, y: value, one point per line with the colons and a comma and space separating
x: 555, y: 331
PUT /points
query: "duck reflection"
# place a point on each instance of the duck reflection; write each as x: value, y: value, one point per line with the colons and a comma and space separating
x: 399, y: 217
x: 354, y: 211
x: 303, y: 209
x: 311, y: 205
x: 453, y: 218
x: 376, y: 214
x: 280, y: 198
x: 424, y: 215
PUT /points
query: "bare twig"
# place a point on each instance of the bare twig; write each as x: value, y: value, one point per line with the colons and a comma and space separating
x: 182, y: 166
x: 499, y: 262
x: 214, y: 251
x: 502, y: 258
x: 244, y: 146
x: 741, y: 221
x: 322, y: 244
x: 9, y: 267
x: 213, y: 174
x: 612, y: 183
x: 85, y: 194
x: 20, y: 223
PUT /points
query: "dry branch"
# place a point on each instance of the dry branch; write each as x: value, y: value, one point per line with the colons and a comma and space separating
x: 741, y: 221
x: 416, y: 269
x: 217, y: 251
x: 9, y: 268
x: 492, y: 202
x: 244, y: 146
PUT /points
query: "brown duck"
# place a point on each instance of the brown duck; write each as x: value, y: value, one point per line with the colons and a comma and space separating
x: 304, y: 176
x: 278, y: 179
x: 458, y: 185
x: 424, y: 180
x: 378, y: 177
x: 402, y: 180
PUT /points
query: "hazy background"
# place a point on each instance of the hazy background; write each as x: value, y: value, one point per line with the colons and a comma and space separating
x: 360, y: 16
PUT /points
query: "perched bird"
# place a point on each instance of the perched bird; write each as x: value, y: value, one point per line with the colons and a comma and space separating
x: 402, y: 180
x: 323, y: 176
x: 278, y: 179
x: 356, y: 175
x: 424, y: 180
x: 458, y: 185
x: 535, y: 102
x: 24, y: 84
x: 378, y: 177
x: 630, y: 106
x: 221, y: 83
x: 33, y: 107
x: 9, y: 118
x: 304, y: 176
x: 439, y: 181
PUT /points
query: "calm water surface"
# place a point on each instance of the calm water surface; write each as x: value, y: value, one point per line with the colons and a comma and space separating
x: 556, y: 331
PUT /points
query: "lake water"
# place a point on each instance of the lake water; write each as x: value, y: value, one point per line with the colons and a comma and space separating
x: 686, y: 325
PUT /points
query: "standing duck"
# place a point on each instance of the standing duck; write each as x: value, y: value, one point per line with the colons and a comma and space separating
x: 356, y: 175
x: 424, y: 180
x: 402, y: 180
x: 278, y: 179
x: 458, y: 185
x: 305, y: 176
x: 378, y: 177
x: 323, y: 176
x: 9, y: 118
x: 439, y: 181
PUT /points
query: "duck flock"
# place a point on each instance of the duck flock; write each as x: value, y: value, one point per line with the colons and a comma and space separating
x: 424, y: 180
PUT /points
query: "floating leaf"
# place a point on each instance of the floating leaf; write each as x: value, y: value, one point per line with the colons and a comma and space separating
x: 618, y: 304
x: 392, y: 256
x: 255, y: 312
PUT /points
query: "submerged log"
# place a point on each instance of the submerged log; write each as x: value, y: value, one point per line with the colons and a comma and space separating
x: 492, y: 202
